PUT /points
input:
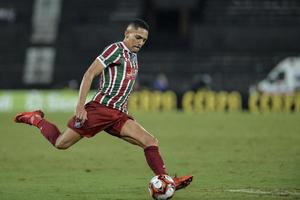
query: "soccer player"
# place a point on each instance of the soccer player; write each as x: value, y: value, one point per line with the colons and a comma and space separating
x: 117, y: 67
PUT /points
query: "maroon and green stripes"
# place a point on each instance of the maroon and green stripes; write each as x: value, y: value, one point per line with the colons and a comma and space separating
x: 118, y: 77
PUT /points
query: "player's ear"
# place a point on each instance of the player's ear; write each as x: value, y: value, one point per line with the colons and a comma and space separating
x: 126, y: 34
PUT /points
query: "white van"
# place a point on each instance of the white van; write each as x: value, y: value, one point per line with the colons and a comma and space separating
x: 283, y: 79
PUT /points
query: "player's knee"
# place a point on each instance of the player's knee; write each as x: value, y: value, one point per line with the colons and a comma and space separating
x: 152, y: 142
x: 61, y: 145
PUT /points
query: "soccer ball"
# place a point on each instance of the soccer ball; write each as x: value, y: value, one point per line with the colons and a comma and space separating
x: 161, y: 187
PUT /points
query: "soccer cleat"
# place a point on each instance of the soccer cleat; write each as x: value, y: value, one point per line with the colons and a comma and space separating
x: 31, y: 118
x: 182, y: 182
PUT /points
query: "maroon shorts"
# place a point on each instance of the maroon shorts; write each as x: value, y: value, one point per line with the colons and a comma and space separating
x: 100, y: 118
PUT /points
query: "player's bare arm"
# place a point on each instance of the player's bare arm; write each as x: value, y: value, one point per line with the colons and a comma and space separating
x: 95, y: 69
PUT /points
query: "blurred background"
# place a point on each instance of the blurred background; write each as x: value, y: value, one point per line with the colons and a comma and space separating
x: 220, y: 45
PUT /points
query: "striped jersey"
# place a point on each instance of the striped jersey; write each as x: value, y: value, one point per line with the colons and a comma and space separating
x: 118, y: 77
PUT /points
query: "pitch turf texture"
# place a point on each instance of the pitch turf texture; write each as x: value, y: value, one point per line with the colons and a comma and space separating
x: 232, y: 156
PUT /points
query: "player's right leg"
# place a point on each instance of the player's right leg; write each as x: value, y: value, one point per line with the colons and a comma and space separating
x: 49, y: 130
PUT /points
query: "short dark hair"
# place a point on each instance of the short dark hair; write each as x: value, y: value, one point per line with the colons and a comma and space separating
x: 139, y: 23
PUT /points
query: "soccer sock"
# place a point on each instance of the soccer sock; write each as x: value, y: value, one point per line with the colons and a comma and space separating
x: 154, y: 160
x: 49, y: 131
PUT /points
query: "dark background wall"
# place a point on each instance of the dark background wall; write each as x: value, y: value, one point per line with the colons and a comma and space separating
x: 234, y: 42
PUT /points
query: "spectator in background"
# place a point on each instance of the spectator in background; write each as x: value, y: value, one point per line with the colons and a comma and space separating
x: 161, y: 82
x: 201, y: 81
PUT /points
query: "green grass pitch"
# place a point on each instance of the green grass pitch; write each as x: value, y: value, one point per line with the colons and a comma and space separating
x: 231, y: 155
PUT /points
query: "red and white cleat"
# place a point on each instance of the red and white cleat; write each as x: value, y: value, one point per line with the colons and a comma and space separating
x: 182, y: 182
x: 31, y: 118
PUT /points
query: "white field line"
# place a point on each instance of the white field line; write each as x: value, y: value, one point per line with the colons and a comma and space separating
x: 257, y: 191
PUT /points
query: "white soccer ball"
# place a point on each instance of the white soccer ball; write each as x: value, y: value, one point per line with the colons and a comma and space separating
x: 161, y: 187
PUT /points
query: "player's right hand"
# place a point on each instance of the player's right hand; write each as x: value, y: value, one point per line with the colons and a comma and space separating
x: 81, y: 113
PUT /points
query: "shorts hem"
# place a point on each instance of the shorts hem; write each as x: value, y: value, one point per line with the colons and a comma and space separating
x: 79, y: 132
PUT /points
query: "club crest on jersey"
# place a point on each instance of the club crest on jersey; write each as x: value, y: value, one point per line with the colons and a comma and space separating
x: 131, y: 74
x: 133, y: 58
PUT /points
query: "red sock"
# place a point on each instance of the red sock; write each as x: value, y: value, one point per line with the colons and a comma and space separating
x: 154, y: 160
x: 49, y: 131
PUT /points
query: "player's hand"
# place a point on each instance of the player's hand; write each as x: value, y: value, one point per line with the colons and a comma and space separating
x: 81, y: 113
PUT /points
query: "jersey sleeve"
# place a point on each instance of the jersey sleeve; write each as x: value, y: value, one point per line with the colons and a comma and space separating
x: 110, y: 55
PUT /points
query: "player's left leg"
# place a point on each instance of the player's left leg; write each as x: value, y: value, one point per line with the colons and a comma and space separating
x: 182, y: 182
x: 134, y: 133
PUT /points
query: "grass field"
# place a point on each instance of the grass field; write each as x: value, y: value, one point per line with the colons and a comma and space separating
x: 232, y: 156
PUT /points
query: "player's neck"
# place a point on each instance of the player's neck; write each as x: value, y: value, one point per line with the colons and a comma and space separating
x: 126, y: 46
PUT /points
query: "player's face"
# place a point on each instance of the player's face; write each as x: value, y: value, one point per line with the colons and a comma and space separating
x: 135, y: 38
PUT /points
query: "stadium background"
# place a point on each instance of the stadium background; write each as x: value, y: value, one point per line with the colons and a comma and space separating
x: 221, y: 47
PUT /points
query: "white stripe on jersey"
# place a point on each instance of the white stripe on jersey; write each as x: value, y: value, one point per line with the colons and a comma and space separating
x: 103, y: 80
x: 113, y: 82
x: 110, y: 75
x: 126, y: 99
x: 124, y: 75
x: 125, y: 91
x: 121, y: 83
